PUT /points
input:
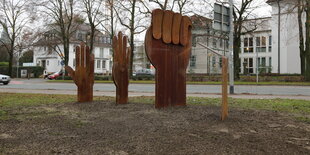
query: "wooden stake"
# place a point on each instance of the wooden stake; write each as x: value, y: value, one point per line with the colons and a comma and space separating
x: 224, y: 88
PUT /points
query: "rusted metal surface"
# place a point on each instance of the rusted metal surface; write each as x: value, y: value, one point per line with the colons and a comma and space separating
x: 224, y: 88
x: 83, y: 75
x: 120, y: 67
x: 168, y: 46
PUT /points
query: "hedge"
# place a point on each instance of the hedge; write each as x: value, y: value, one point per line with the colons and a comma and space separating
x: 100, y: 78
x: 4, y: 63
x: 36, y: 70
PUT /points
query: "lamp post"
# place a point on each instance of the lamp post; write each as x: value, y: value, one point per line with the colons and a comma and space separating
x: 231, y: 49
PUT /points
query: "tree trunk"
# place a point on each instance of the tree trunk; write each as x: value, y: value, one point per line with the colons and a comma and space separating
x: 307, y: 52
x: 10, y: 71
x: 301, y: 39
x: 237, y: 45
x: 132, y: 31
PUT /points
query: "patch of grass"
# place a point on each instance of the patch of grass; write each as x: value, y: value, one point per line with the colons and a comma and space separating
x: 280, y: 105
x: 26, y: 105
x: 24, y: 100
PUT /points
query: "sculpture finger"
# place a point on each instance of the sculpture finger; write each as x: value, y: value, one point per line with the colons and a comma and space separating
x: 176, y: 28
x: 82, y: 53
x: 120, y: 46
x: 167, y: 26
x: 70, y: 71
x: 157, y: 19
x: 124, y: 52
x: 77, y: 56
x: 115, y: 49
x: 128, y: 57
x: 186, y: 25
x: 87, y: 57
x: 187, y: 50
x: 148, y: 44
x: 91, y: 64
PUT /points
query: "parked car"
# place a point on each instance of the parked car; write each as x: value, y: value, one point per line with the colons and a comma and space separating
x: 5, y: 79
x: 54, y: 75
x: 143, y: 72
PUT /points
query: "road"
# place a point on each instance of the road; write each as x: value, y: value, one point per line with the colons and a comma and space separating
x: 40, y: 84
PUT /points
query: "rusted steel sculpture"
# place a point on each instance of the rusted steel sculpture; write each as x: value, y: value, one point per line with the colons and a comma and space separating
x: 224, y: 88
x: 168, y: 45
x: 120, y: 67
x: 83, y: 75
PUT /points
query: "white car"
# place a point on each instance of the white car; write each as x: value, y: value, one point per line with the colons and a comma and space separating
x: 5, y: 79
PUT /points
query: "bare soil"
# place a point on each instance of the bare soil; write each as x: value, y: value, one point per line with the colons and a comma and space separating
x: 106, y: 128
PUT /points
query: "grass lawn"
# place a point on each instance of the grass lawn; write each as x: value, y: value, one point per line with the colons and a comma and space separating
x: 203, y: 83
x: 14, y: 102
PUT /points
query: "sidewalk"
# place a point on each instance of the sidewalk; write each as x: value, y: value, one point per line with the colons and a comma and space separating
x: 131, y: 94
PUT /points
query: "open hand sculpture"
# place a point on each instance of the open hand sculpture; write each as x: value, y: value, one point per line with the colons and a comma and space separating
x: 83, y: 75
x: 120, y: 67
x: 168, y: 45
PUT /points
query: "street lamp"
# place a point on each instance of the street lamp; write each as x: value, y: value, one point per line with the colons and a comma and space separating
x: 231, y: 49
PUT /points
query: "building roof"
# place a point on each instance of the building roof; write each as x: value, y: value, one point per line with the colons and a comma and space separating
x: 271, y: 1
x: 201, y: 22
x: 80, y: 35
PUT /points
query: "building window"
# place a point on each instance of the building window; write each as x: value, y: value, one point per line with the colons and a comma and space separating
x: 98, y: 64
x: 258, y: 44
x: 80, y: 36
x: 261, y: 44
x: 248, y: 45
x: 213, y: 61
x: 249, y: 64
x: 270, y: 62
x: 263, y: 63
x: 214, y: 43
x: 101, y: 53
x: 111, y: 51
x: 103, y: 63
x: 263, y: 48
x: 47, y: 62
x: 220, y: 62
x: 193, y: 61
x: 270, y: 44
x: 74, y: 62
x: 221, y: 43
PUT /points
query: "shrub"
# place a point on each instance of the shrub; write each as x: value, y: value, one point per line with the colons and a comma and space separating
x: 35, y: 70
x: 4, y: 64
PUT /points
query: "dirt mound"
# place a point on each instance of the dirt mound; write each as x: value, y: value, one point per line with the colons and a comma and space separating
x: 106, y: 128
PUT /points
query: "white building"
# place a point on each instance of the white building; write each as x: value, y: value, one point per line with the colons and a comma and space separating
x: 259, y: 49
x: 47, y: 51
x: 289, y: 32
x: 208, y: 47
x: 256, y: 47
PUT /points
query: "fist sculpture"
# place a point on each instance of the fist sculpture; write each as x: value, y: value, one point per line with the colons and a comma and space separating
x: 168, y: 45
x: 120, y: 67
x: 83, y: 75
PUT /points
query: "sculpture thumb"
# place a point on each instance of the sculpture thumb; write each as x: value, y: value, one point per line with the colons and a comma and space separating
x: 70, y: 71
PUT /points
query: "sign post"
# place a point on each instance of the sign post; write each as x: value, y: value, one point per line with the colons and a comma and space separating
x: 223, y: 21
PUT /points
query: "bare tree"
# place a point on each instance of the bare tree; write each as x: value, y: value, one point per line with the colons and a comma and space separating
x: 14, y: 20
x: 92, y: 8
x: 301, y: 9
x: 62, y: 15
x: 307, y: 53
x: 131, y: 16
x: 110, y: 19
x: 241, y: 13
